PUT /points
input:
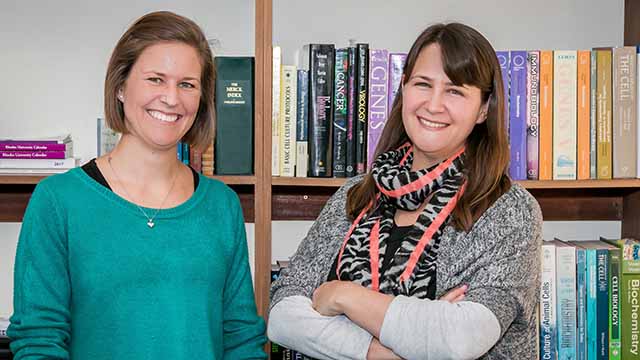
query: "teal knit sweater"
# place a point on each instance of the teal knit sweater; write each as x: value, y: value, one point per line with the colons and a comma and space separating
x: 93, y: 281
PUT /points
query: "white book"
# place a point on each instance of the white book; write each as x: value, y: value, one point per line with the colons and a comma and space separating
x: 275, y: 112
x: 566, y: 296
x: 288, y: 99
x: 106, y: 138
x: 56, y: 139
x: 67, y: 163
x: 548, y: 330
x: 4, y: 325
x: 565, y: 118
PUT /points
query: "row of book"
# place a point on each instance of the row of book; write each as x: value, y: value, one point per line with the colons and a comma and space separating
x: 589, y: 300
x: 327, y: 118
x: 36, y: 155
x: 570, y: 114
x: 573, y: 114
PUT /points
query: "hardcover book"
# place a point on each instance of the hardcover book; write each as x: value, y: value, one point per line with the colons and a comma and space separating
x: 362, y: 105
x: 564, y: 114
x: 234, y: 108
x: 340, y: 112
x: 288, y: 83
x: 532, y: 113
x: 321, y: 68
x: 517, y: 115
x: 625, y: 118
x: 378, y: 92
x: 302, y: 122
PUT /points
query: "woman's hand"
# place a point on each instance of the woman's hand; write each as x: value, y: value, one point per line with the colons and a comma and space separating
x: 327, y: 298
x: 455, y: 294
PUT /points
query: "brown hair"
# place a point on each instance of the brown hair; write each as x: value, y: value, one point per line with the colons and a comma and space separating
x: 468, y: 59
x: 153, y: 28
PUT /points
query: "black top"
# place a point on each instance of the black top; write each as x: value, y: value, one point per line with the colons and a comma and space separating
x: 91, y: 169
x: 396, y: 236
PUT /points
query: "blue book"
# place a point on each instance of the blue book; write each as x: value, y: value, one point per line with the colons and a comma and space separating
x: 179, y: 150
x: 566, y: 299
x: 185, y: 153
x: 503, y: 60
x: 598, y: 299
x: 581, y: 299
x: 517, y: 117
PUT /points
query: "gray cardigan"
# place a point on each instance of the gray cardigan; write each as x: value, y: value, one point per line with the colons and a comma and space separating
x: 499, y: 259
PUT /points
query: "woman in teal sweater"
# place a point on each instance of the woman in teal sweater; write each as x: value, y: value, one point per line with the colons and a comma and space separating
x: 134, y: 255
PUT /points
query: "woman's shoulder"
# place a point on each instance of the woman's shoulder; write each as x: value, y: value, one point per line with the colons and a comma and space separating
x: 217, y: 191
x: 515, y: 209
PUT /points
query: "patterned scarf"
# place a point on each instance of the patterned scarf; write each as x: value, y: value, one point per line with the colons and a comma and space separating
x: 413, y: 266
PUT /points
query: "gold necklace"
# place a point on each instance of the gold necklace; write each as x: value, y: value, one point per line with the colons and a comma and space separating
x: 150, y: 222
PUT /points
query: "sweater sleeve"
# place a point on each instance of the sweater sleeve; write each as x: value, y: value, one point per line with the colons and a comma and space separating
x: 308, y: 269
x: 322, y: 337
x: 244, y: 330
x: 41, y: 326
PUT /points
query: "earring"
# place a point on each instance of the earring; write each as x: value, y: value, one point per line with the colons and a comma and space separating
x: 120, y: 96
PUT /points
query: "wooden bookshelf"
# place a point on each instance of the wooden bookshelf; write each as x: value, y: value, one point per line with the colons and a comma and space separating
x: 265, y: 198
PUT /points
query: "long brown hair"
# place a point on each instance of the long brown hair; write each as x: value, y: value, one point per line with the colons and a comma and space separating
x: 468, y: 59
x: 151, y: 29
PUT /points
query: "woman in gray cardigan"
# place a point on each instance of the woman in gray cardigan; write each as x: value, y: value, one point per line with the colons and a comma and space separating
x: 433, y: 254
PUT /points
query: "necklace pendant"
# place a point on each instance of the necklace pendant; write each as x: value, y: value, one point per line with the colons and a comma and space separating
x: 150, y: 223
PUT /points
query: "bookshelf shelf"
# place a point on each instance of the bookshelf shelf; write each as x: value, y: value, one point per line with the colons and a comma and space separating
x: 316, y: 182
x: 236, y: 180
x: 11, y: 179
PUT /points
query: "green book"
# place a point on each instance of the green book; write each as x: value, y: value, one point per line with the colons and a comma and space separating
x: 629, y: 299
x: 234, y: 115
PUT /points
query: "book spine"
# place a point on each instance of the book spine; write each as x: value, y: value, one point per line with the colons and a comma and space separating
x: 321, y: 82
x: 564, y: 115
x: 624, y: 113
x: 592, y: 305
x: 602, y: 312
x: 615, y: 347
x: 289, y: 80
x: 275, y: 111
x: 517, y: 117
x: 351, y: 115
x: 503, y: 60
x: 362, y: 105
x: 593, y: 118
x: 196, y: 160
x: 67, y: 163
x: 340, y: 111
x: 185, y: 153
x: 581, y: 299
x: 638, y: 107
x: 548, y: 349
x: 532, y: 114
x: 33, y: 155
x: 302, y: 122
x: 630, y: 301
x: 546, y: 115
x: 378, y: 90
x: 235, y: 123
x: 566, y: 302
x: 584, y: 109
x: 604, y: 121
x: 26, y: 146
x: 396, y: 64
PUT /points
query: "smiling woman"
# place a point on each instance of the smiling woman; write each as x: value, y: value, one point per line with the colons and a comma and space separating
x: 123, y: 247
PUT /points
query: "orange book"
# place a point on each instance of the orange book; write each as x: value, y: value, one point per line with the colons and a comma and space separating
x: 546, y: 115
x: 584, y: 112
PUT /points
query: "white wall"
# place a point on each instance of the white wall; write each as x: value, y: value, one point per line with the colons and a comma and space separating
x: 54, y: 56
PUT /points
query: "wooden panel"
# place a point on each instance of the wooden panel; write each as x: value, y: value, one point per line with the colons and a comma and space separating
x: 577, y: 204
x: 263, y: 53
x: 632, y: 22
x: 295, y: 181
x: 20, y: 178
x: 631, y: 215
x: 13, y: 205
